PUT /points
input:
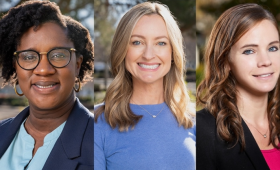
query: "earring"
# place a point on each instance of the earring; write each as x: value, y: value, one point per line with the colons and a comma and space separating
x: 79, y: 88
x: 15, y: 88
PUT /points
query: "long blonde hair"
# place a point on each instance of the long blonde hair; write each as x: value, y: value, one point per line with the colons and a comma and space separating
x: 116, y: 109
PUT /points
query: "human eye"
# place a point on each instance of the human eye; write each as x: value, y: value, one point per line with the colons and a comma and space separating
x: 248, y: 52
x: 161, y: 43
x: 136, y: 42
x: 58, y: 56
x: 272, y: 49
x: 28, y: 56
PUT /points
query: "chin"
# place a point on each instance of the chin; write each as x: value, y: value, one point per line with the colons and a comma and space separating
x: 264, y: 90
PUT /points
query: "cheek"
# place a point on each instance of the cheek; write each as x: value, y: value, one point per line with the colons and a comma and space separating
x: 71, y: 70
x: 166, y: 56
x: 23, y: 77
x: 128, y: 64
x: 129, y: 59
x: 276, y: 61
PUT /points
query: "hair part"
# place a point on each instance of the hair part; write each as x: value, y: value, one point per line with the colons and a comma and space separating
x: 217, y: 92
x: 116, y: 109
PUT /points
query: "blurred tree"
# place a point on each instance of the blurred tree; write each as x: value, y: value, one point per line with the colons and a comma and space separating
x: 217, y: 9
x: 184, y: 11
x: 80, y: 10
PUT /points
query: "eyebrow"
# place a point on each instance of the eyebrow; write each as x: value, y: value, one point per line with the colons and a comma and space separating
x: 140, y: 36
x: 255, y: 45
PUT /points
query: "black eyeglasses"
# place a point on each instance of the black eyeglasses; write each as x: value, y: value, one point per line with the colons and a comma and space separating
x: 58, y: 57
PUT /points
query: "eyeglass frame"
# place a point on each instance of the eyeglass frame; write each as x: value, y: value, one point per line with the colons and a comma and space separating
x: 70, y: 49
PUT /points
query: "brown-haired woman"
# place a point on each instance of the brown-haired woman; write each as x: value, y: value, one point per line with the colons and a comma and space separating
x: 239, y: 127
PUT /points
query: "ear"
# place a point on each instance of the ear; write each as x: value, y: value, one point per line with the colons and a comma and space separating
x: 79, y: 61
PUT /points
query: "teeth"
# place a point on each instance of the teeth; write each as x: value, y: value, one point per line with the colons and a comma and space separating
x: 149, y: 66
x: 44, y: 87
x: 264, y: 75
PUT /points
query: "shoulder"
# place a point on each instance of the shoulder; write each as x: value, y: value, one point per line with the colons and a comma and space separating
x: 98, y: 105
x: 80, y: 115
x: 205, y: 124
x: 14, y: 122
x: 5, y: 123
x: 204, y: 114
x: 206, y: 140
x: 205, y: 119
x: 80, y: 120
x: 101, y: 117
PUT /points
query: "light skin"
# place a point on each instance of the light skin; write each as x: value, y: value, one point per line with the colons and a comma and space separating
x: 51, y: 106
x: 148, y: 59
x: 255, y: 63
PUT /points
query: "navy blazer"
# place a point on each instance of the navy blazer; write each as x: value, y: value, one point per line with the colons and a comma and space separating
x: 212, y: 153
x: 73, y: 149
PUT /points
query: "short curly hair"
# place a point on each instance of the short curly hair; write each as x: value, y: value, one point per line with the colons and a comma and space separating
x: 32, y: 14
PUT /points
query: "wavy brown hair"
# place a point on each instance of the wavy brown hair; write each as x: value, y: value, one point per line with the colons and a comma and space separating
x: 116, y: 109
x: 217, y: 92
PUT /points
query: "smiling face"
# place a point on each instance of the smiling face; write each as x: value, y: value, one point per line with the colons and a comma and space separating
x: 255, y: 59
x: 148, y: 58
x: 46, y: 87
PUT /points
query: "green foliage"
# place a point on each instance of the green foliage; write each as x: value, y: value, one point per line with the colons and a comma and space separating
x: 199, y: 74
x: 87, y: 101
x: 99, y: 96
x: 14, y: 101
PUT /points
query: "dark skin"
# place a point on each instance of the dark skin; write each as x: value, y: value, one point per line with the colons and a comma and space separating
x: 49, y: 90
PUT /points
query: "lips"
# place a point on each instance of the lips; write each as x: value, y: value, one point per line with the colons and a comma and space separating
x: 45, y: 84
x: 149, y: 66
x: 263, y: 75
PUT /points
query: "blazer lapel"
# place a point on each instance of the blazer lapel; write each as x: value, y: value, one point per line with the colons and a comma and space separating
x: 253, y: 151
x: 68, y: 145
x: 8, y: 134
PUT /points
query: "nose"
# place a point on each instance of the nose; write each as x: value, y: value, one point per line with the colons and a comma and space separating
x: 264, y: 59
x: 44, y: 68
x: 149, y: 52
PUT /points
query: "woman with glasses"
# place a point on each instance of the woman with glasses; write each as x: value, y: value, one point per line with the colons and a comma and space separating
x: 46, y: 54
x: 146, y: 120
x: 239, y: 128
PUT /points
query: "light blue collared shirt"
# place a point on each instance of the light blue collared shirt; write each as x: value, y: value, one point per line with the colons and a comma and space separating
x: 19, y: 154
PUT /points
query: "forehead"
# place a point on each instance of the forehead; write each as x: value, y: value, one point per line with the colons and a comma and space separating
x: 48, y: 35
x: 261, y: 33
x: 153, y: 25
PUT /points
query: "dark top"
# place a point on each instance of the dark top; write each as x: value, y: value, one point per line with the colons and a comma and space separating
x: 212, y: 153
x: 73, y: 149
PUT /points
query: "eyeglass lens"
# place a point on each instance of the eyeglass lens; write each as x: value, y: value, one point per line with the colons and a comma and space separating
x: 56, y: 57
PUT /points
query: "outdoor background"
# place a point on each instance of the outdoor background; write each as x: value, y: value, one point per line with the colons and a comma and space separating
x: 81, y: 10
x: 107, y: 15
x: 207, y: 12
x: 195, y: 17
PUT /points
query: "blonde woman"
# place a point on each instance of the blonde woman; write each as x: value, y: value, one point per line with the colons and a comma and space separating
x: 145, y: 121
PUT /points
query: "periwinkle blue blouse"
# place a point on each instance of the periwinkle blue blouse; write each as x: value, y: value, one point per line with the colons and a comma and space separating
x: 19, y: 154
x: 154, y: 143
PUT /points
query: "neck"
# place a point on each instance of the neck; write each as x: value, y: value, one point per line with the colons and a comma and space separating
x: 252, y: 107
x: 44, y: 121
x: 147, y: 93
